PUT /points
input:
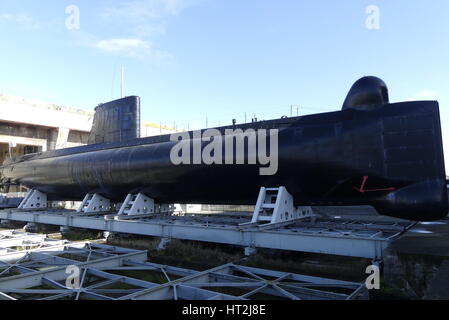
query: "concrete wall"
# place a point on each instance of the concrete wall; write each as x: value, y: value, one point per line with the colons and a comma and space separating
x: 22, y: 110
x: 28, y: 122
x: 25, y: 122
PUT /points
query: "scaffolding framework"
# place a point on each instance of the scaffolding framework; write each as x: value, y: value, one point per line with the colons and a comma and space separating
x: 41, y: 274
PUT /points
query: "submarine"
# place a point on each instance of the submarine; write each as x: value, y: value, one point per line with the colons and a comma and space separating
x: 371, y: 152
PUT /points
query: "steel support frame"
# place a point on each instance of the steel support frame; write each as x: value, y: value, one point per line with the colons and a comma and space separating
x: 202, y: 285
x: 10, y: 238
x: 285, y: 237
x: 34, y: 199
x: 98, y: 280
x: 29, y: 262
x: 137, y: 204
x: 282, y: 210
x: 94, y: 203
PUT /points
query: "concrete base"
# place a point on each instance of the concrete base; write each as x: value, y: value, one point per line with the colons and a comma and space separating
x: 130, y: 241
x: 9, y: 224
x: 40, y: 228
x: 64, y: 229
x: 418, y: 263
x: 79, y: 234
x: 30, y: 227
x: 250, y: 251
x: 163, y: 243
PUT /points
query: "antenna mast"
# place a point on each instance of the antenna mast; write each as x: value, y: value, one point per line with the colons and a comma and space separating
x: 122, y: 83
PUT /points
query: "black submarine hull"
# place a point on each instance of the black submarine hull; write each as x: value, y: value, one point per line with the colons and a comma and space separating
x: 389, y: 156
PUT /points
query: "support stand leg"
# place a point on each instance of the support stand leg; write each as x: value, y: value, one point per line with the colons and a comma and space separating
x: 276, y: 205
x: 34, y: 199
x: 94, y: 203
x: 137, y: 204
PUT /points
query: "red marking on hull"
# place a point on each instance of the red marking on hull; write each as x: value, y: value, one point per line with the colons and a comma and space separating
x: 362, y: 187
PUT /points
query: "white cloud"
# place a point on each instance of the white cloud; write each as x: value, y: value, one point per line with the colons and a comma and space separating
x: 132, y: 26
x: 424, y: 95
x: 143, y: 18
x: 122, y: 45
x: 132, y: 47
x: 145, y: 9
x: 22, y: 19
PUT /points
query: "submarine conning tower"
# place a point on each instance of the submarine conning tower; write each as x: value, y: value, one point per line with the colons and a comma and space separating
x: 366, y: 91
x: 116, y: 121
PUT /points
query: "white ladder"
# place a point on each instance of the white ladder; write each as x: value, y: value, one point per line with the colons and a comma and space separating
x: 94, y: 203
x: 137, y: 204
x: 276, y: 205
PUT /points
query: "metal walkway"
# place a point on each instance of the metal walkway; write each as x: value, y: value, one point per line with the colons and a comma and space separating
x: 353, y: 238
x: 112, y: 273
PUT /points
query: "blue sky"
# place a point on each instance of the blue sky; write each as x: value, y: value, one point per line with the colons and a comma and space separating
x: 192, y: 59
